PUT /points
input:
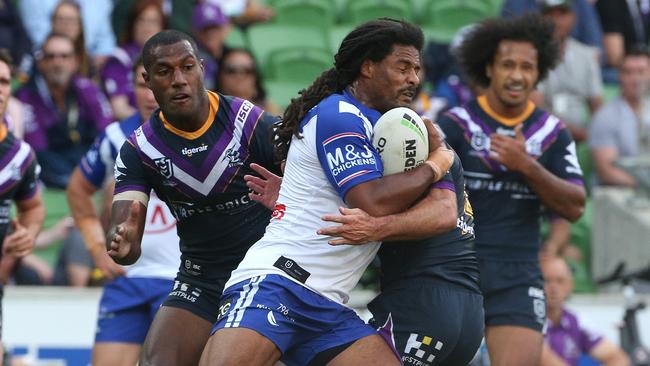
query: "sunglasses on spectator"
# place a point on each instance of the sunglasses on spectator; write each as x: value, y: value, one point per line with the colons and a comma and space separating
x: 234, y: 69
x: 49, y: 56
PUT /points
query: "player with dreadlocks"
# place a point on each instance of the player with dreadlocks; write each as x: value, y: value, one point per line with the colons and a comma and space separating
x: 287, y: 297
x: 517, y: 158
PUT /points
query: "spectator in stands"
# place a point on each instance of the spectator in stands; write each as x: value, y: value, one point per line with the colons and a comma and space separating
x: 14, y: 38
x: 66, y: 20
x: 210, y: 27
x: 245, y: 12
x: 145, y: 19
x: 239, y: 76
x: 573, y: 90
x: 95, y: 16
x: 621, y: 128
x: 63, y: 111
x: 587, y: 28
x: 625, y: 26
x: 566, y: 340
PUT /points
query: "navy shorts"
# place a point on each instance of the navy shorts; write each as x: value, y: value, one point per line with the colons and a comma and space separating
x: 299, y: 321
x: 196, y: 295
x: 430, y: 322
x: 127, y: 308
x: 513, y: 293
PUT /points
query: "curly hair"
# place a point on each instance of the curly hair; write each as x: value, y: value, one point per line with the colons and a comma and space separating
x: 479, y: 46
x: 372, y: 41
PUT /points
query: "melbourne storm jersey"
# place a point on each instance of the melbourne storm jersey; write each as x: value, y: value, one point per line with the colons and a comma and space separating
x: 449, y: 256
x: 507, y: 211
x: 18, y: 175
x: 334, y: 154
x: 160, y: 253
x: 200, y: 177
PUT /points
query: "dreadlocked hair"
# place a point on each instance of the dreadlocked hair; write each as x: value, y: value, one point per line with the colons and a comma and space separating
x: 372, y: 41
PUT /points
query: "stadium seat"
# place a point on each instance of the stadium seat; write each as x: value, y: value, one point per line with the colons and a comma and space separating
x: 306, y: 13
x: 443, y: 18
x: 236, y: 38
x: 359, y: 11
x: 266, y: 38
x: 300, y: 65
x: 281, y: 92
x: 337, y: 33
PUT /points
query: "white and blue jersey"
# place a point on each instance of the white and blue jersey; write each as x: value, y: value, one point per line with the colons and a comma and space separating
x: 334, y: 154
x: 129, y: 304
x: 292, y: 285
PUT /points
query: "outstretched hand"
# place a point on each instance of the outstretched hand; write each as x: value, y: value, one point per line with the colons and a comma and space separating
x: 126, y: 233
x: 357, y: 227
x: 266, y: 189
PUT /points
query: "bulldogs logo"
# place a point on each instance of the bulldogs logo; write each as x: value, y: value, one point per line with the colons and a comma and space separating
x: 278, y: 211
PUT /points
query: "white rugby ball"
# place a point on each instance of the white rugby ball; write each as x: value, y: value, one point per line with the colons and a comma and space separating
x: 401, y: 139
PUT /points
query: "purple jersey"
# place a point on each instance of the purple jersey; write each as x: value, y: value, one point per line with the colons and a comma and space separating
x: 88, y: 113
x: 569, y: 340
x: 116, y: 75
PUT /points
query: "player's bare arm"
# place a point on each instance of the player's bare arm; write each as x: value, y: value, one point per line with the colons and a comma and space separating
x: 562, y: 197
x: 432, y: 215
x: 80, y: 200
x: 27, y: 225
x: 395, y: 193
x: 125, y: 235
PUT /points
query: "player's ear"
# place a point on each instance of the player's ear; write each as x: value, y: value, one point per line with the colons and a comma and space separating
x: 367, y: 69
x: 488, y: 70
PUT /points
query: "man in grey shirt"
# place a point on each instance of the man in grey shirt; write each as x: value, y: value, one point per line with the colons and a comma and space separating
x: 573, y: 90
x: 621, y: 128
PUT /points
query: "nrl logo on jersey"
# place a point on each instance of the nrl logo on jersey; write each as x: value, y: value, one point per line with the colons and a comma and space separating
x: 164, y: 166
x: 232, y: 155
x: 480, y: 141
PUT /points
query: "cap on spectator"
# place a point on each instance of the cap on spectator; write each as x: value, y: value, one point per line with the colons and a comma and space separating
x: 206, y: 15
x: 552, y: 4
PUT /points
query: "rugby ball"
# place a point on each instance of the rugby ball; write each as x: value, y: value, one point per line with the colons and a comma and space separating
x: 401, y: 139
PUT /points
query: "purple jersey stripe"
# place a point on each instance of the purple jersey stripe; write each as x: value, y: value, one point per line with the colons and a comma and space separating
x: 162, y: 147
x: 537, y: 125
x: 548, y: 140
x: 10, y: 154
x: 131, y: 187
x: 444, y: 185
x: 248, y: 129
x: 576, y: 181
x: 23, y: 168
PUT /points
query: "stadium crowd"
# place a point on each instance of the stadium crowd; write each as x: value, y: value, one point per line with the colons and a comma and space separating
x: 69, y: 68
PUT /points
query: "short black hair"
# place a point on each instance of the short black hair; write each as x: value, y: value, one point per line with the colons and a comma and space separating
x: 165, y: 38
x: 480, y: 45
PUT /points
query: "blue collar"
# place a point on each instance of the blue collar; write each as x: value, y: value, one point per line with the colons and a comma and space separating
x: 372, y: 114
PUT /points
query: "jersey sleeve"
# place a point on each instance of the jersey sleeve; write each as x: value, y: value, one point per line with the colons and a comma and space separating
x: 564, y: 159
x: 94, y: 163
x: 28, y: 186
x: 262, y: 147
x: 130, y: 175
x: 345, y: 151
